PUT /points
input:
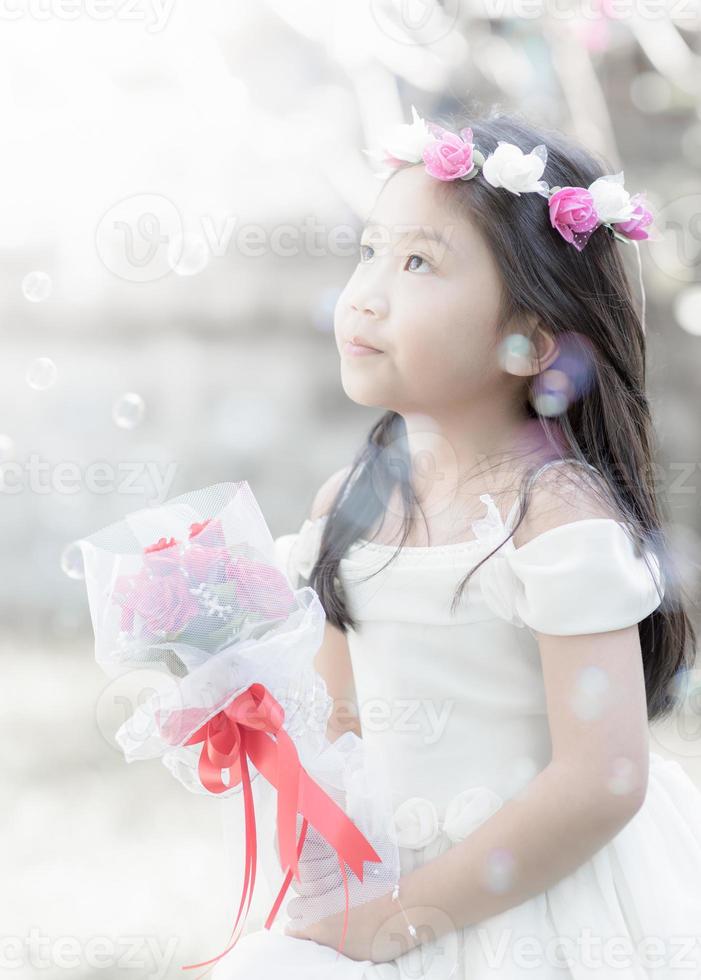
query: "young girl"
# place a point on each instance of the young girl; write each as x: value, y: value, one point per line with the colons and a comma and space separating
x: 503, y: 615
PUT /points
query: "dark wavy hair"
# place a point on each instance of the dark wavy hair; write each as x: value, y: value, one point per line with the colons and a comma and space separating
x: 582, y: 298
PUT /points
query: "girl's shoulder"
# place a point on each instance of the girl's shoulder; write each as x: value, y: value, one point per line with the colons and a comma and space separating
x: 563, y: 492
x: 327, y: 492
x: 577, y: 567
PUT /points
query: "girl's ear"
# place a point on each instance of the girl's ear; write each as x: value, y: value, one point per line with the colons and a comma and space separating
x: 545, y: 345
x: 542, y: 349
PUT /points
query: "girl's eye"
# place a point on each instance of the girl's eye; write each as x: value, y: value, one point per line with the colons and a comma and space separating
x: 364, y: 257
x: 421, y: 259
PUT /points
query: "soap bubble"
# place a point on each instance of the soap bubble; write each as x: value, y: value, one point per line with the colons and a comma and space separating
x: 499, y: 872
x: 550, y: 403
x: 7, y: 448
x: 324, y: 307
x: 72, y: 561
x: 687, y: 310
x: 128, y: 410
x: 41, y: 373
x: 591, y: 694
x: 37, y: 286
x: 624, y: 778
x: 188, y: 254
x: 516, y: 353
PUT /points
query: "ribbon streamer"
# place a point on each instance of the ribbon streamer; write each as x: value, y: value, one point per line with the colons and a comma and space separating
x: 250, y: 728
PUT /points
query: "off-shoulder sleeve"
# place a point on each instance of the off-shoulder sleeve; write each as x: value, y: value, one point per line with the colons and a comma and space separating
x: 584, y: 577
x: 296, y: 553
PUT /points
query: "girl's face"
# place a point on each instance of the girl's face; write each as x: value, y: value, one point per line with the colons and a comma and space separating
x: 426, y: 292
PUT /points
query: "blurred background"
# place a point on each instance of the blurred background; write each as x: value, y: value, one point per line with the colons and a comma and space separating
x: 184, y: 183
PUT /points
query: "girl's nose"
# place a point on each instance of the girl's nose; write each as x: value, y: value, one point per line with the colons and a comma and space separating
x: 374, y: 306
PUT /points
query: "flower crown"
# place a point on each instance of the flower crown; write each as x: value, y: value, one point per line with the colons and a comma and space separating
x: 575, y: 212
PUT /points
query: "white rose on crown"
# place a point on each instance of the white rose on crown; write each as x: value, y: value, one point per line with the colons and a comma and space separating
x: 611, y: 199
x: 405, y: 142
x: 508, y: 166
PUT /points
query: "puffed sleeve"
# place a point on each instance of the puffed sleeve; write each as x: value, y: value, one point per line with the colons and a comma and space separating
x: 296, y: 553
x: 583, y: 577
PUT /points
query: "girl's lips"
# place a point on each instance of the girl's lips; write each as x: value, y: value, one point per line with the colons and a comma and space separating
x: 357, y: 349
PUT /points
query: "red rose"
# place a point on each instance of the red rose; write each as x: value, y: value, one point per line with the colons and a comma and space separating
x: 209, y: 532
x: 160, y: 545
x: 262, y: 589
x: 212, y: 565
x: 165, y: 603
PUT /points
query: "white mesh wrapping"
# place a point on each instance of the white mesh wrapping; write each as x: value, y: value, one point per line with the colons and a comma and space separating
x: 350, y: 775
x: 210, y: 606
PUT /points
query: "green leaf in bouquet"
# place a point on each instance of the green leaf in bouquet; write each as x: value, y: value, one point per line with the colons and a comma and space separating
x: 226, y: 591
x: 227, y: 631
x: 154, y: 657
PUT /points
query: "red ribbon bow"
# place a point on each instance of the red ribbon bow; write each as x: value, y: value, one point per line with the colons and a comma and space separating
x: 250, y: 727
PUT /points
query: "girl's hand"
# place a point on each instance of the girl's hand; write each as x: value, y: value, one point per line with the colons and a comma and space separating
x: 374, y: 931
x: 318, y: 865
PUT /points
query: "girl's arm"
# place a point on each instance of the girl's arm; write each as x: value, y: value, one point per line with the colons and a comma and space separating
x: 568, y: 813
x: 333, y: 660
x: 334, y: 664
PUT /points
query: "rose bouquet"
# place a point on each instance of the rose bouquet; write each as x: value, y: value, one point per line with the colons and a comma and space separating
x: 192, y: 589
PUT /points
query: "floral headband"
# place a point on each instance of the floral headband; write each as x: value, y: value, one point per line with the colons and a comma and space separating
x: 575, y: 212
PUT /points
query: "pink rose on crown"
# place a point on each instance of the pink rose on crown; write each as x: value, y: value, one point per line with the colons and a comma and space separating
x: 635, y: 227
x: 449, y: 156
x: 573, y: 214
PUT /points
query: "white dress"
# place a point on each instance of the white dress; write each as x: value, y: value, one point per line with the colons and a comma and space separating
x: 461, y: 722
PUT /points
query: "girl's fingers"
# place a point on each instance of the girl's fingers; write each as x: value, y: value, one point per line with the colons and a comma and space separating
x: 317, y: 883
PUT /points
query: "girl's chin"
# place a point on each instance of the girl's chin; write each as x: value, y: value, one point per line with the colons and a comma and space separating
x: 369, y: 395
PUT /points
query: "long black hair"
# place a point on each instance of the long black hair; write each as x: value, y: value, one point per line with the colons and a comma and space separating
x: 582, y: 298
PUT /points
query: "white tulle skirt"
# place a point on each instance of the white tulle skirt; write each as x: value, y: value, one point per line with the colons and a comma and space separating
x: 631, y: 912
